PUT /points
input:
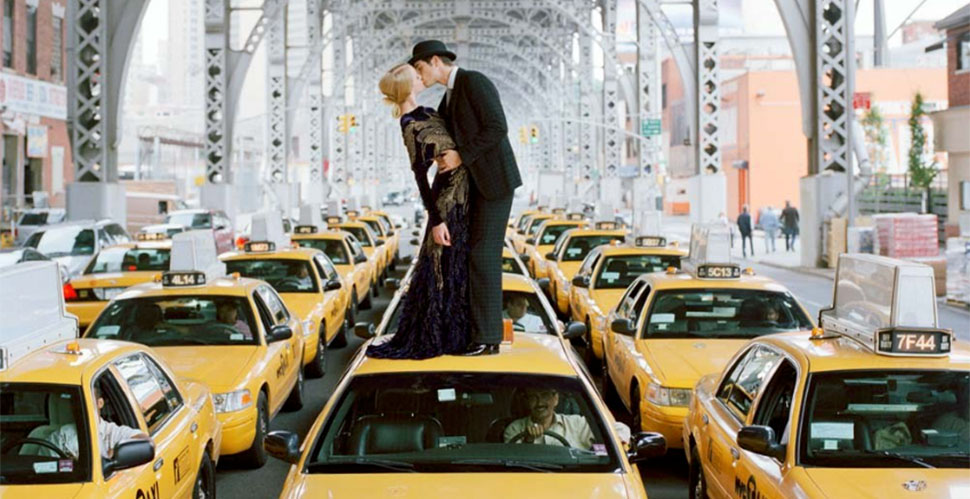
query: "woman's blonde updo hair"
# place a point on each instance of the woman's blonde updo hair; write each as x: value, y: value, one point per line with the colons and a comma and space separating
x: 396, y: 87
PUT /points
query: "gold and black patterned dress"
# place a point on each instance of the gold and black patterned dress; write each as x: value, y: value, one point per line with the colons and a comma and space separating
x: 435, y: 317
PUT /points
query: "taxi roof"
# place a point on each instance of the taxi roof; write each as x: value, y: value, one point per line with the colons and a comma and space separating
x: 640, y: 250
x: 594, y: 232
x: 325, y: 234
x: 516, y: 282
x: 528, y: 354
x: 221, y: 286
x: 839, y: 353
x: 562, y: 221
x: 686, y: 280
x: 52, y: 364
x: 288, y: 253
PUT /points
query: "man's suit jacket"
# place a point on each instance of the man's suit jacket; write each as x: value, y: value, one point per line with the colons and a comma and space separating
x: 477, y: 122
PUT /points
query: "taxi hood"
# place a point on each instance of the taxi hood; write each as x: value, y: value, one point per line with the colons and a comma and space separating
x: 680, y: 363
x: 219, y: 367
x: 889, y: 482
x: 32, y: 491
x: 466, y: 485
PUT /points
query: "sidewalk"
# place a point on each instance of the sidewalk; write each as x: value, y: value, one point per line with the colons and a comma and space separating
x: 678, y: 228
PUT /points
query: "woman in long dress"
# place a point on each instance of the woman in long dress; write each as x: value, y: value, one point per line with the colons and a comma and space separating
x: 435, y: 318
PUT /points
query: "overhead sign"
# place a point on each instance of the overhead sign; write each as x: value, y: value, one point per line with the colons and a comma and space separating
x: 28, y: 96
x: 36, y: 141
x: 650, y: 128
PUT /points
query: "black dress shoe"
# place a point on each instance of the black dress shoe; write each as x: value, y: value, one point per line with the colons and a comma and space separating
x: 480, y: 349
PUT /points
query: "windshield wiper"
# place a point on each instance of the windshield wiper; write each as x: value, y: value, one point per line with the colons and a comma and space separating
x: 513, y: 463
x: 901, y: 457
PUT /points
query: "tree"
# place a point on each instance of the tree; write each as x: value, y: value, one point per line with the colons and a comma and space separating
x: 877, y: 139
x: 922, y: 171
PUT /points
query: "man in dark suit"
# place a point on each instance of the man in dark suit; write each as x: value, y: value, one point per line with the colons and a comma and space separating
x: 473, y: 111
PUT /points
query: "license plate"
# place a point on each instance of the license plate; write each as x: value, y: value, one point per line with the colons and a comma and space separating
x: 110, y: 293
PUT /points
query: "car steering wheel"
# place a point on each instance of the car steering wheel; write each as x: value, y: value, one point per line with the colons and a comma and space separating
x: 550, y: 433
x: 290, y: 282
x: 41, y: 442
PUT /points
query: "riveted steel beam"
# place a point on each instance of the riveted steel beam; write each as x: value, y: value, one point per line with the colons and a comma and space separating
x: 707, y: 147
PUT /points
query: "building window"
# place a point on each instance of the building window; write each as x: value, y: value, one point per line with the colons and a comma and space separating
x: 8, y: 6
x: 663, y: 96
x: 57, y: 50
x: 31, y: 40
x: 963, y: 51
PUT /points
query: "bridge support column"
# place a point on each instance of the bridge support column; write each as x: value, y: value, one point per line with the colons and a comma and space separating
x: 707, y: 188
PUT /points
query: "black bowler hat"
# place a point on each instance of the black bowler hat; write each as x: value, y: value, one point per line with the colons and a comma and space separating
x: 428, y: 48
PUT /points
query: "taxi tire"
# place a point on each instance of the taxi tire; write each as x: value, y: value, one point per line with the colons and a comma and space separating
x: 318, y: 366
x: 636, y: 423
x: 255, y: 456
x: 367, y: 304
x: 205, y: 480
x: 610, y: 396
x: 340, y: 339
x: 592, y: 361
x: 294, y: 402
x: 698, y: 485
x: 375, y: 287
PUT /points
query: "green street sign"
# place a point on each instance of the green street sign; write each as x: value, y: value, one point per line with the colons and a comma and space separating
x: 650, y: 128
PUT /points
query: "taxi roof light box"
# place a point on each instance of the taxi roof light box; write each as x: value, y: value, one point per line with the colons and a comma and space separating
x: 268, y: 227
x: 310, y: 215
x: 195, y: 250
x: 34, y: 288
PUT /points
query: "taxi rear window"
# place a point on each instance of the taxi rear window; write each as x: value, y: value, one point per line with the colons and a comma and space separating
x: 453, y: 422
x: 580, y: 246
x: 333, y: 248
x: 723, y: 313
x: 53, y: 419
x: 203, y: 320
x: 285, y: 275
x: 129, y: 260
x: 618, y: 272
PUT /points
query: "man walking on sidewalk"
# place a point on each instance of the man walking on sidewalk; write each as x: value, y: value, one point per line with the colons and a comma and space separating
x: 769, y: 224
x: 789, y: 220
x: 744, y: 227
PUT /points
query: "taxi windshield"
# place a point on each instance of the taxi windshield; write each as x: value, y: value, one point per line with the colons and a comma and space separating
x: 63, y: 241
x: 723, y: 314
x: 887, y: 419
x: 190, y: 220
x: 551, y: 233
x: 618, y: 272
x: 129, y: 260
x: 178, y: 321
x: 333, y: 248
x: 579, y: 246
x: 510, y: 265
x: 360, y: 233
x: 286, y: 276
x: 536, y: 223
x: 463, y: 423
x: 39, y: 434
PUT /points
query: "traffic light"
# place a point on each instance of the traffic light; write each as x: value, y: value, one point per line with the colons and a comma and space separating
x: 353, y: 122
x: 343, y: 124
x: 534, y: 134
x: 523, y: 138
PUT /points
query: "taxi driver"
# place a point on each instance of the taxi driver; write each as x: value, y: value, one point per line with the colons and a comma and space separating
x: 543, y: 420
x: 517, y: 309
x: 109, y: 433
x: 227, y: 314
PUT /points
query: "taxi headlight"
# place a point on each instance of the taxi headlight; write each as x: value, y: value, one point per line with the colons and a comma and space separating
x: 307, y: 327
x: 232, y: 401
x: 662, y: 395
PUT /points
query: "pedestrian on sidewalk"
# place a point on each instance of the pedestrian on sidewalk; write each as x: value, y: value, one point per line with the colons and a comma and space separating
x: 770, y: 224
x: 723, y: 220
x: 789, y: 220
x: 744, y: 227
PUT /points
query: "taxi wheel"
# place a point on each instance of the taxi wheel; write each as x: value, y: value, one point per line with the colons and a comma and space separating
x: 698, y: 486
x: 589, y: 355
x: 255, y: 456
x: 205, y: 482
x: 375, y: 287
x: 295, y: 401
x: 318, y: 367
x: 609, y: 391
x: 367, y: 303
x: 635, y: 409
x: 340, y: 339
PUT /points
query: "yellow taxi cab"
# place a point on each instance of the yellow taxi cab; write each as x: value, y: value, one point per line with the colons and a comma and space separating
x: 93, y: 418
x: 670, y: 328
x: 455, y: 425
x: 603, y: 277
x: 348, y: 256
x: 528, y: 230
x: 873, y: 403
x: 306, y: 280
x: 519, y: 221
x: 374, y: 247
x: 568, y: 254
x: 232, y: 333
x: 392, y: 231
x: 113, y: 269
x: 512, y: 263
x: 390, y: 237
x: 545, y: 239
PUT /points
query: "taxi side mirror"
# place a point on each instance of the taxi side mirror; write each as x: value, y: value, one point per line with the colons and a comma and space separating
x: 575, y: 330
x: 391, y: 233
x: 646, y: 445
x: 333, y: 285
x: 392, y: 283
x: 581, y: 281
x: 380, y: 241
x: 397, y: 226
x: 521, y: 232
x: 623, y: 326
x: 511, y: 225
x: 279, y: 332
x: 415, y: 232
x: 530, y: 240
x: 524, y: 257
x: 283, y: 445
x: 761, y: 440
x: 543, y: 284
x: 364, y: 330
x: 129, y: 454
x: 551, y: 256
x: 360, y: 258
x: 415, y: 242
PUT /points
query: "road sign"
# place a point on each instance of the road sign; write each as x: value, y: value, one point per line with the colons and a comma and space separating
x: 650, y: 128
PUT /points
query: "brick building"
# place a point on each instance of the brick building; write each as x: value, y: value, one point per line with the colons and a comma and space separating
x: 952, y: 123
x: 35, y: 149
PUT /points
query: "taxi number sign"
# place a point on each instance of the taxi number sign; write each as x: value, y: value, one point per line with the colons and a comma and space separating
x: 260, y: 246
x: 913, y: 342
x: 575, y: 217
x: 183, y: 279
x: 306, y: 229
x: 558, y: 211
x: 151, y: 236
x: 606, y: 225
x: 718, y: 272
x: 651, y: 241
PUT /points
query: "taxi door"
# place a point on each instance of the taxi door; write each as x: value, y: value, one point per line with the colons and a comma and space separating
x: 728, y: 411
x: 580, y: 298
x: 286, y: 356
x: 169, y: 423
x: 362, y: 271
x: 333, y: 301
x: 619, y: 348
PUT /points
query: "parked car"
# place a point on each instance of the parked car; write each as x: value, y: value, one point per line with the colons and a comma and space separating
x: 203, y: 219
x: 73, y: 243
x: 14, y: 256
x: 32, y: 219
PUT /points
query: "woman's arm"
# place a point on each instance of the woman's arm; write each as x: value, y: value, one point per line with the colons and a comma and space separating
x: 424, y: 188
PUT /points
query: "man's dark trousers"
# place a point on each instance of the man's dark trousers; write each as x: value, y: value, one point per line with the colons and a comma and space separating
x: 489, y: 218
